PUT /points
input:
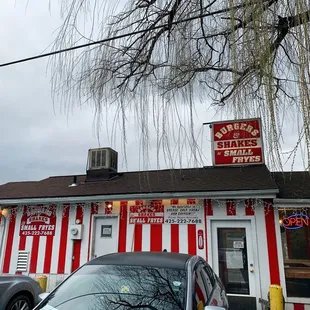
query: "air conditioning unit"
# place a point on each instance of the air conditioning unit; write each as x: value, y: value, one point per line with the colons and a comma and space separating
x: 102, y: 158
x: 76, y: 232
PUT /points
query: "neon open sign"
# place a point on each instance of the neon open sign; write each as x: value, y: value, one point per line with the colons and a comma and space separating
x: 295, y: 221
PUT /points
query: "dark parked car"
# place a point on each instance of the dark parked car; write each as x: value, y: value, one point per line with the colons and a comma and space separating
x: 139, y: 280
x: 18, y: 292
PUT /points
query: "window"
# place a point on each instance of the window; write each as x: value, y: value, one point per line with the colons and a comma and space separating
x: 203, y: 286
x: 295, y: 237
x: 97, y: 287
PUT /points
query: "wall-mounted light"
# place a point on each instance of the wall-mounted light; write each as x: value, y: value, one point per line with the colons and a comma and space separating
x: 4, y: 212
x: 108, y: 204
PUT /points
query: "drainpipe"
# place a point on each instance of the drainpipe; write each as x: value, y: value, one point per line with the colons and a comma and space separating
x: 3, y: 220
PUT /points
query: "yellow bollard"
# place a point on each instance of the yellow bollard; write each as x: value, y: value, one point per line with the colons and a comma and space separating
x: 276, y: 297
x: 43, y: 282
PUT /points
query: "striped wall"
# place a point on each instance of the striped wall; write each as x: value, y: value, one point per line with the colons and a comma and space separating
x: 57, y: 256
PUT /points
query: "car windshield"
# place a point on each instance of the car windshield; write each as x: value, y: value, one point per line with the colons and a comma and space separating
x: 97, y: 287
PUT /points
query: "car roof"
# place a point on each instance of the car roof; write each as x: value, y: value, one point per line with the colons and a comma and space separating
x: 150, y: 259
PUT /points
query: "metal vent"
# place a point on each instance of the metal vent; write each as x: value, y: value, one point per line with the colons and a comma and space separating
x: 22, y: 261
x: 102, y: 158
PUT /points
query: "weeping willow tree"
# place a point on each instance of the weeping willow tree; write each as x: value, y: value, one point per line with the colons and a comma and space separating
x: 247, y: 58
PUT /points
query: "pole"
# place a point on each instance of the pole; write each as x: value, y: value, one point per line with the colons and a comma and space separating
x: 276, y: 297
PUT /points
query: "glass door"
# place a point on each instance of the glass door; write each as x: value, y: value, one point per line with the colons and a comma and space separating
x: 232, y: 256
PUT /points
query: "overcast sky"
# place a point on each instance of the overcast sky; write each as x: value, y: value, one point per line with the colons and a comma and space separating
x: 37, y: 139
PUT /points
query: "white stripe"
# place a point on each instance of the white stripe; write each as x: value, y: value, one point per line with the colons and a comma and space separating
x: 14, y: 254
x: 166, y: 242
x: 129, y: 236
x: 263, y: 250
x: 289, y: 306
x: 56, y: 240
x: 69, y: 252
x: 85, y: 239
x: 307, y: 307
x: 4, y: 232
x: 146, y: 237
x: 240, y: 208
x: 41, y: 254
x: 28, y: 248
x: 219, y: 208
x: 183, y: 239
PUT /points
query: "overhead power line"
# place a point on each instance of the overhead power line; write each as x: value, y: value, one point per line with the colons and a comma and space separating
x: 102, y: 41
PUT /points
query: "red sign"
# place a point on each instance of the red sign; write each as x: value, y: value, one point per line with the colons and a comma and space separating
x: 146, y: 214
x: 237, y: 142
x: 38, y: 221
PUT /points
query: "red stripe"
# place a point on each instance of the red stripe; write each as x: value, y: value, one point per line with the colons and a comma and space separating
x: 174, y: 238
x: 199, y: 293
x: 209, y: 207
x: 156, y: 237
x: 271, y: 243
x: 192, y: 242
x: 9, y: 243
x: 48, y: 254
x: 49, y: 246
x: 123, y: 226
x: 77, y: 243
x: 22, y: 238
x: 299, y: 306
x: 174, y: 201
x: 34, y: 254
x: 138, y: 238
x: 63, y: 240
x: 249, y: 207
x: 34, y: 251
x: 230, y: 208
x: 94, y: 210
x: 191, y: 201
x: 208, y: 211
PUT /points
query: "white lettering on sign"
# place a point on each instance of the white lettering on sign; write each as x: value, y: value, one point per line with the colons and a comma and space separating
x: 236, y: 126
x: 246, y: 159
x: 247, y: 152
x: 232, y: 144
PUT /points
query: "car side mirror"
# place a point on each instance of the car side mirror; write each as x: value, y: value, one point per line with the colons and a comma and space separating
x: 213, y: 308
x: 43, y: 296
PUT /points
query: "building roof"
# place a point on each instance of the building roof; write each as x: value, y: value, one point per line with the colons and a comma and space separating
x: 150, y: 259
x: 293, y: 185
x: 204, y: 179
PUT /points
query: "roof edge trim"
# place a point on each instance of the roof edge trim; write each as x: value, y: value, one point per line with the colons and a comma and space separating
x: 268, y: 193
x: 286, y: 201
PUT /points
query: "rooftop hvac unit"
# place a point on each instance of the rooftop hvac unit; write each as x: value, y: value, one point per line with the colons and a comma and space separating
x: 102, y: 158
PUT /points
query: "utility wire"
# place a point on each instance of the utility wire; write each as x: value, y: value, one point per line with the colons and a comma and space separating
x: 102, y: 41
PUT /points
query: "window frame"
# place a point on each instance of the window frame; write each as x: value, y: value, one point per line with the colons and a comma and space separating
x: 278, y: 206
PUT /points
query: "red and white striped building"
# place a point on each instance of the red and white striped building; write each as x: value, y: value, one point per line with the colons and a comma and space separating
x: 228, y: 215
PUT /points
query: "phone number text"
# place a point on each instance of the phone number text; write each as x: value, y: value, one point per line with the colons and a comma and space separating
x: 37, y: 233
x: 183, y: 221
